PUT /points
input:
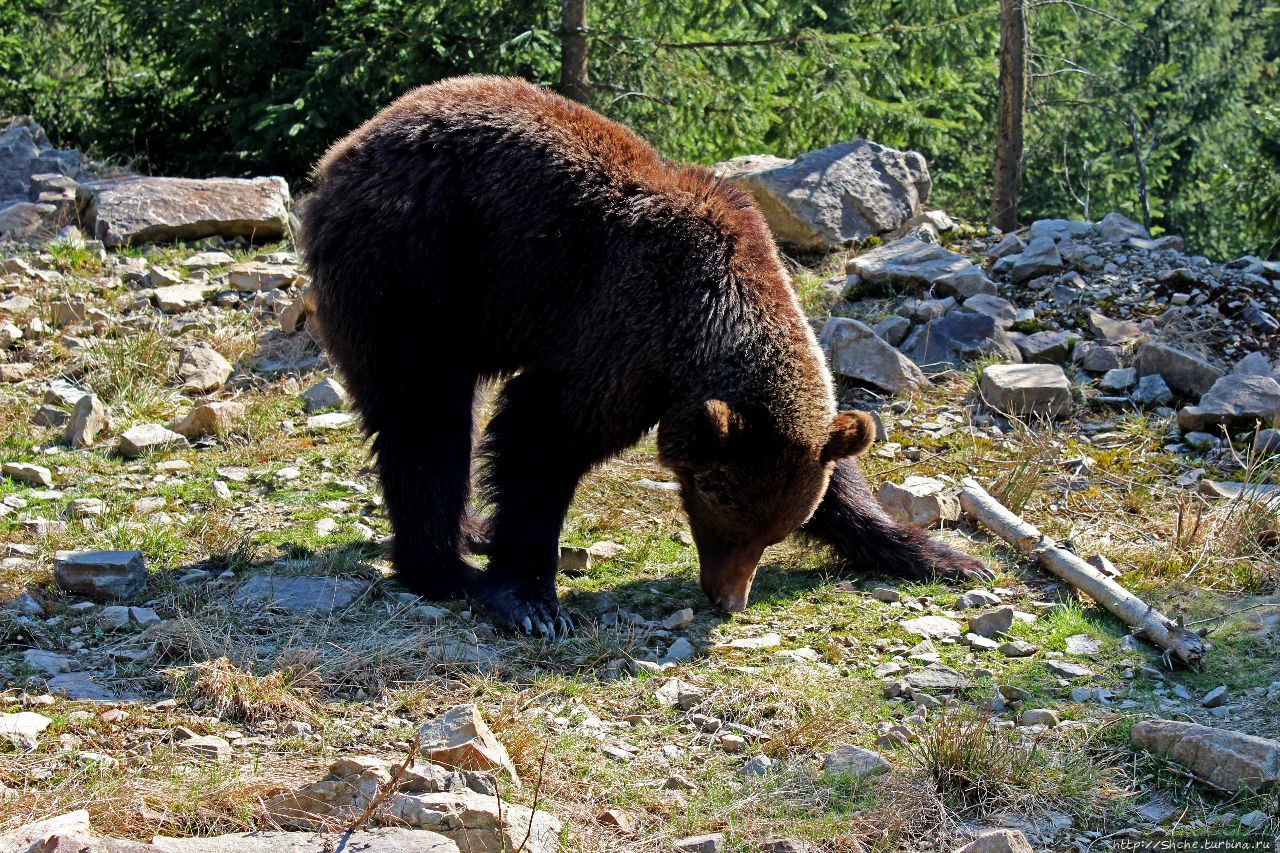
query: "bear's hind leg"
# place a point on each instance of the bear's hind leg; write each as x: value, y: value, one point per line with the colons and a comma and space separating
x: 424, y: 462
x: 853, y: 524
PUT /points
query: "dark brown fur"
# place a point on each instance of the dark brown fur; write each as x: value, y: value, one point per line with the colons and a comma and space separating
x: 482, y: 228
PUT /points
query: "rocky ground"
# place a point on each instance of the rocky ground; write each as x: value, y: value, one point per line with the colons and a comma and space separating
x: 239, y: 661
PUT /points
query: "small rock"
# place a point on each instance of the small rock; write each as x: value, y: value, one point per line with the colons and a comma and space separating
x: 330, y: 420
x: 1062, y: 669
x: 854, y: 760
x: 998, y: 841
x: 209, y: 419
x: 1152, y: 390
x: 25, y: 472
x: 680, y: 650
x: 933, y: 627
x: 325, y: 394
x: 992, y: 624
x: 23, y: 730
x: 679, y: 694
x: 886, y: 594
x: 202, y: 369
x: 857, y: 352
x: 88, y: 419
x: 1017, y: 649
x: 145, y: 438
x: 679, y: 619
x: 1039, y: 717
x: 922, y: 501
x: 1233, y: 401
x: 712, y: 843
x: 977, y: 598
x: 1215, y: 697
x: 460, y: 738
x: 756, y: 767
x: 935, y: 677
x: 1119, y: 379
x: 1040, y: 257
x: 1183, y: 371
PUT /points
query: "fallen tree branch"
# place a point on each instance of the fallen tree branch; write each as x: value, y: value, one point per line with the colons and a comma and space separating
x: 1145, y: 621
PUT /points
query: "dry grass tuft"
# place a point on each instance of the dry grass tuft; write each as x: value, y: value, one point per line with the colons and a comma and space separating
x: 979, y: 771
x: 232, y: 692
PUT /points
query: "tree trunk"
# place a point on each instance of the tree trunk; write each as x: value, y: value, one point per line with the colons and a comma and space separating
x: 574, y: 82
x: 1013, y: 96
x: 1140, y: 163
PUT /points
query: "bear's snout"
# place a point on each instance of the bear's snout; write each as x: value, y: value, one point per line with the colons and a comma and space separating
x: 727, y: 571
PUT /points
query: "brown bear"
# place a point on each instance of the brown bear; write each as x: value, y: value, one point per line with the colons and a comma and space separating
x: 481, y: 228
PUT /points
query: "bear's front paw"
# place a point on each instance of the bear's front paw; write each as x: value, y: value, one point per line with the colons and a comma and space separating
x: 530, y: 614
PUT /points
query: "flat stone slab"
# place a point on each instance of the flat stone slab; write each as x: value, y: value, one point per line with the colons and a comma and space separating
x: 936, y: 677
x: 102, y: 575
x: 133, y: 210
x: 1230, y: 760
x: 386, y: 840
x: 300, y: 594
x: 1027, y: 389
x: 933, y: 627
x: 912, y: 265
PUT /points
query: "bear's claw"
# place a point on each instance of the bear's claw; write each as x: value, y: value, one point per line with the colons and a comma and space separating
x: 530, y: 616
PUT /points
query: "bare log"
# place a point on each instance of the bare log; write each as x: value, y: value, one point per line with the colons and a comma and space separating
x: 1146, y: 622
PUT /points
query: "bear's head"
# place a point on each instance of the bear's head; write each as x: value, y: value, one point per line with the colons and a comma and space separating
x: 747, y: 485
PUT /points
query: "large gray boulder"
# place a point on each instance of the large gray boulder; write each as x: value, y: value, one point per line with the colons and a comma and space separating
x: 1234, y: 400
x: 1184, y: 372
x: 957, y: 338
x: 1041, y: 257
x: 27, y: 221
x: 1228, y: 760
x: 25, y: 151
x: 128, y: 211
x: 855, y: 351
x: 829, y: 197
x: 915, y: 266
x: 1117, y: 228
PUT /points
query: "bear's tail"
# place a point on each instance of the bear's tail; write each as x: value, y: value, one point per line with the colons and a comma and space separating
x: 864, y: 537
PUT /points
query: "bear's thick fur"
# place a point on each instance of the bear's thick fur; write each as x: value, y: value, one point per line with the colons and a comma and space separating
x: 482, y: 228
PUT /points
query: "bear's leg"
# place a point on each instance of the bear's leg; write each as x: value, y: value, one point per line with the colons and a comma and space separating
x: 534, y: 459
x: 424, y: 463
x: 854, y: 525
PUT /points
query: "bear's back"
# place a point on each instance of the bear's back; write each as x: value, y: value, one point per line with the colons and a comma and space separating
x: 527, y: 130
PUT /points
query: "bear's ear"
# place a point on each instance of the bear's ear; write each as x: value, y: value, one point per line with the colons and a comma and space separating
x: 851, y: 433
x: 717, y: 425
